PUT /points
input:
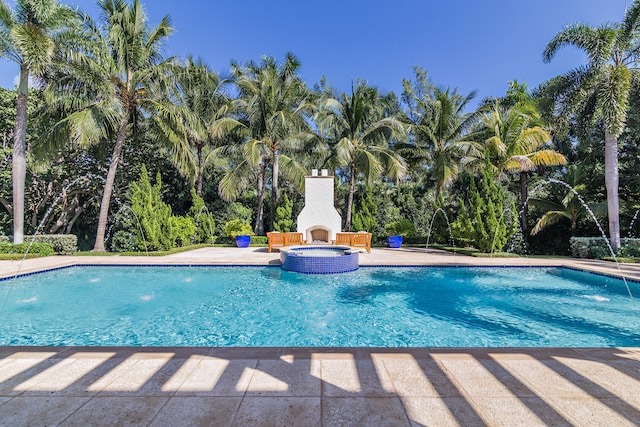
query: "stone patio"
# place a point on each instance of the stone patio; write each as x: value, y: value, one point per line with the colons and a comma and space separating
x: 69, y: 386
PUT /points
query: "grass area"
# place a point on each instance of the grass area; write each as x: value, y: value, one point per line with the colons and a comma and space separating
x: 13, y: 257
x: 630, y: 260
x: 152, y: 253
x: 495, y: 255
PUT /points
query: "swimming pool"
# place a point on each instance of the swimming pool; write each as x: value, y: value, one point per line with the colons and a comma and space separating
x: 266, y: 306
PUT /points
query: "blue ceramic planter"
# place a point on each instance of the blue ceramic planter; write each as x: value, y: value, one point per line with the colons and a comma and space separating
x: 394, y: 241
x: 243, y: 241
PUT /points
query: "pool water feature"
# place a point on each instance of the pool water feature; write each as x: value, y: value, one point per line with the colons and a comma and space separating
x: 319, y: 259
x: 267, y: 306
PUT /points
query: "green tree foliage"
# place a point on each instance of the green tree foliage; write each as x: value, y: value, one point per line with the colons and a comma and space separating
x: 162, y: 230
x: 284, y: 213
x: 600, y: 91
x: 28, y: 37
x: 360, y: 130
x: 485, y: 222
x: 202, y: 218
x: 402, y: 227
x: 115, y: 75
x: 364, y: 218
x: 513, y: 142
x: 203, y: 112
x: 126, y: 234
x: 237, y: 227
x: 564, y: 204
x: 438, y: 125
x: 275, y: 103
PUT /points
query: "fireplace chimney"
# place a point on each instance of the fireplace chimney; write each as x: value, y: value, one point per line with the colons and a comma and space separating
x: 319, y: 220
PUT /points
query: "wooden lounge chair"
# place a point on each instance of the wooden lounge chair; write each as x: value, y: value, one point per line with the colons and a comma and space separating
x: 361, y: 240
x: 343, y: 239
x: 293, y: 239
x: 276, y: 240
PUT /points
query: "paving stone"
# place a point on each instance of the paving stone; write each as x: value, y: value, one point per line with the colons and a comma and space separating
x: 486, y: 378
x: 524, y: 411
x: 411, y: 377
x: 279, y: 411
x: 116, y: 411
x: 282, y: 378
x: 213, y: 376
x: 435, y: 411
x: 39, y: 411
x: 213, y: 411
x: 343, y: 375
x: 363, y: 411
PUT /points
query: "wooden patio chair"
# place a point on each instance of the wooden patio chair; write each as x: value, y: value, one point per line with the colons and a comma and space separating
x: 293, y: 239
x: 343, y: 239
x: 361, y: 240
x: 275, y: 240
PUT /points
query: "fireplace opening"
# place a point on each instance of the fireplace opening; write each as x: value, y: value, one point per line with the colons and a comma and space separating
x: 318, y: 234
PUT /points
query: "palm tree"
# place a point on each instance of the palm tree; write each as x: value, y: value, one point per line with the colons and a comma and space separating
x: 439, y: 125
x: 28, y: 37
x: 360, y: 137
x: 569, y: 207
x: 600, y: 90
x: 203, y: 109
x: 116, y: 75
x: 513, y: 142
x: 276, y: 104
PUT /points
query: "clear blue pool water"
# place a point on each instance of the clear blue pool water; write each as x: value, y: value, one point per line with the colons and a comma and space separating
x: 263, y: 306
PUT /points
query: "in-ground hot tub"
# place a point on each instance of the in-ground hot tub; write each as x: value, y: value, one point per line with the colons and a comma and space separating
x: 319, y: 259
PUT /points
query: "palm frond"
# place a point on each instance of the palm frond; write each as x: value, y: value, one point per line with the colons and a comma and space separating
x: 549, y: 218
x: 596, y: 42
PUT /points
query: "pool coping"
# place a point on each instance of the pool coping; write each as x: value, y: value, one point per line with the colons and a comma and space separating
x: 400, y: 266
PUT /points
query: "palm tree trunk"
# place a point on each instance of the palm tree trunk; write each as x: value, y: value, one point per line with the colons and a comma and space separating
x: 352, y: 190
x: 611, y: 183
x: 274, y: 184
x: 259, y: 228
x: 524, y: 196
x: 108, y: 185
x: 19, y: 162
x: 200, y: 171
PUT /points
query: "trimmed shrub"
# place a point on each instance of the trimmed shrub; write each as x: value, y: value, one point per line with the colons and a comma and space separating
x: 64, y: 244
x: 231, y: 241
x: 597, y: 248
x: 415, y: 240
x: 259, y: 240
x: 401, y: 227
x: 43, y: 249
x: 182, y: 229
x: 237, y: 227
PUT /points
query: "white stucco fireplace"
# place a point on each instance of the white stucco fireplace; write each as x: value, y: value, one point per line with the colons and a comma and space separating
x: 319, y: 221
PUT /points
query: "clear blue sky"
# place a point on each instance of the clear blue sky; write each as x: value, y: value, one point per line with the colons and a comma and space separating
x: 468, y: 44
